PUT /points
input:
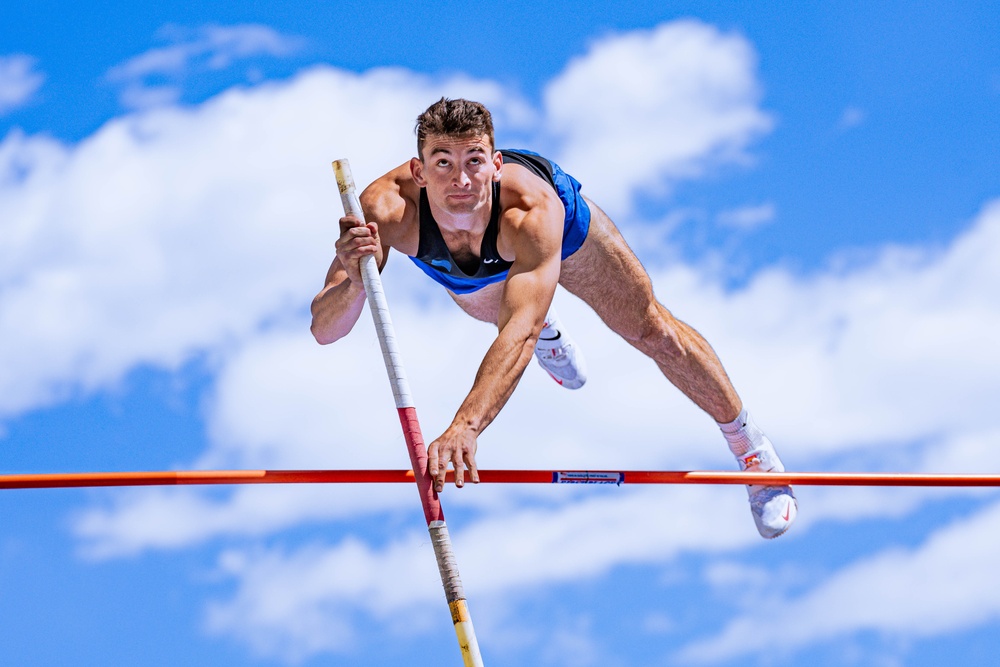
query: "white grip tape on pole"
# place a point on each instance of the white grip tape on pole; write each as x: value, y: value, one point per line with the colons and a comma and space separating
x: 446, y: 561
x: 375, y: 294
x: 455, y: 594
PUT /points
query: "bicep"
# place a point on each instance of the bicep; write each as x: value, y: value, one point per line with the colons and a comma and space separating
x: 532, y: 279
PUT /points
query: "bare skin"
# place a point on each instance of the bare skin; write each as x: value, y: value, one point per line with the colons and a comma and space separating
x: 458, y: 173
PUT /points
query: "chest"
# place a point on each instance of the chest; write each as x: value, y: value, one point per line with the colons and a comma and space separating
x: 466, y: 249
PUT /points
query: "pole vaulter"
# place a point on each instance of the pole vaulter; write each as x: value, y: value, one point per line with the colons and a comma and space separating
x: 411, y: 431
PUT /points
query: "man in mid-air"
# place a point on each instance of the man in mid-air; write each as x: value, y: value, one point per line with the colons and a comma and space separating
x: 500, y: 229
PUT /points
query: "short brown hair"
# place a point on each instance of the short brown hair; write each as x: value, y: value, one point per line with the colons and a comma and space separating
x: 454, y: 118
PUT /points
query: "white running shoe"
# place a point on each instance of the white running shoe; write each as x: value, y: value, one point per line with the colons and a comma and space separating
x: 773, y: 507
x: 558, y: 355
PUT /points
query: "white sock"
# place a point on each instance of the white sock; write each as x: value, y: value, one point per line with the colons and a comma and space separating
x: 742, y: 434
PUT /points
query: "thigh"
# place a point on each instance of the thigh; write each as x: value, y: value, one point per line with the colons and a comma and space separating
x: 607, y: 275
x: 483, y: 304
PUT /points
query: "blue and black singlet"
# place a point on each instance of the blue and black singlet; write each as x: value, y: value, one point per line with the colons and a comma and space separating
x: 434, y: 258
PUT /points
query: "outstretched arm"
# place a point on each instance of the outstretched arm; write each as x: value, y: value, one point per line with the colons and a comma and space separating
x: 526, y: 297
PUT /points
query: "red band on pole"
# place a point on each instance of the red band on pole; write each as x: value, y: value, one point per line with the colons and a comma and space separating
x: 418, y: 459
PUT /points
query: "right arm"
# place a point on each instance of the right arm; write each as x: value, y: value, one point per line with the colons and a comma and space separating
x: 337, y: 307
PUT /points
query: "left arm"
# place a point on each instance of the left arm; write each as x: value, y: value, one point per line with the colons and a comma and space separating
x: 536, y: 235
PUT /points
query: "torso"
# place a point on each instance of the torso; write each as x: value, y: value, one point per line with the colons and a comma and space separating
x: 399, y: 223
x: 466, y: 260
x: 530, y: 182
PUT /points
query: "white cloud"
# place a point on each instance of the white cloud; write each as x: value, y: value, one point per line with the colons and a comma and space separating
x: 852, y: 117
x: 322, y: 590
x: 183, y: 203
x: 21, y: 156
x: 645, y: 109
x: 329, y: 586
x: 19, y: 81
x: 747, y: 218
x: 209, y: 47
x: 892, y: 351
x: 172, y: 232
x: 144, y: 96
x: 949, y: 582
x: 172, y: 518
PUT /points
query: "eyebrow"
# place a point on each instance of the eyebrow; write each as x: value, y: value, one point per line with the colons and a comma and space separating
x: 448, y: 151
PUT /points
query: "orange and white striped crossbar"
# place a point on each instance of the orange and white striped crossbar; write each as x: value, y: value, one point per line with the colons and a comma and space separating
x: 411, y: 431
x: 199, y: 477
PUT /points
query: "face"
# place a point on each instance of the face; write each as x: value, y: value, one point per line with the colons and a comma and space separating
x: 458, y: 172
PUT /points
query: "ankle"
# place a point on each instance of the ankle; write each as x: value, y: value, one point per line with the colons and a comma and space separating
x: 742, y: 434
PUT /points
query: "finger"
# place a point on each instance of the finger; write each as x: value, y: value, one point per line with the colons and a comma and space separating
x: 440, y: 467
x: 355, y: 248
x: 470, y: 459
x: 439, y: 480
x: 432, y: 460
x: 456, y: 462
x: 347, y: 222
x: 357, y: 235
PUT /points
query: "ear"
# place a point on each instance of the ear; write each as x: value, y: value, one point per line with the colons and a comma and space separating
x: 417, y: 172
x: 498, y: 163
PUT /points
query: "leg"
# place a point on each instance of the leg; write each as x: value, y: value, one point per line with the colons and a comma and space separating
x: 606, y: 274
x: 483, y: 304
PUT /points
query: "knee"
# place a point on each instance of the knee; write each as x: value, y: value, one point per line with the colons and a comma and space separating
x: 658, y: 334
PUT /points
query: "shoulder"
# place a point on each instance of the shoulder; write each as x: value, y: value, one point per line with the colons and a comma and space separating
x: 524, y: 188
x: 525, y: 194
x: 532, y: 213
x: 384, y: 201
x: 391, y: 202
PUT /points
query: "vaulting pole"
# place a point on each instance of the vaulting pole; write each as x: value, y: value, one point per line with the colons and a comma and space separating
x: 411, y: 431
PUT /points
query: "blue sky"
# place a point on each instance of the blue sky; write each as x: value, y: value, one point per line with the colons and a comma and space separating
x: 814, y: 188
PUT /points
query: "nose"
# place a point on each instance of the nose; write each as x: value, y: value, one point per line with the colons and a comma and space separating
x: 462, y: 179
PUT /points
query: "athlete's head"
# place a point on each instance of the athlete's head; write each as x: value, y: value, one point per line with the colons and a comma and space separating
x: 458, y: 162
x: 455, y: 119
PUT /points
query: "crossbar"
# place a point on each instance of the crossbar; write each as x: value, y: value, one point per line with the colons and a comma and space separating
x: 202, y: 477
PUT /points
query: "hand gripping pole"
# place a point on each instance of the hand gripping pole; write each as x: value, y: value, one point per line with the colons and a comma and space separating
x: 411, y: 431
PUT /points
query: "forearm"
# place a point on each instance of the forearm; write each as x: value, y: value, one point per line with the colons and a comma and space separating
x: 497, y: 378
x: 336, y: 310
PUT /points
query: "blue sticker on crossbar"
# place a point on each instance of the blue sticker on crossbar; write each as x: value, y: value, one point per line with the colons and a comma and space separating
x: 585, y: 477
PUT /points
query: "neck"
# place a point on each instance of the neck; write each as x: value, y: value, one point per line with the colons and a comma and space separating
x: 457, y: 220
